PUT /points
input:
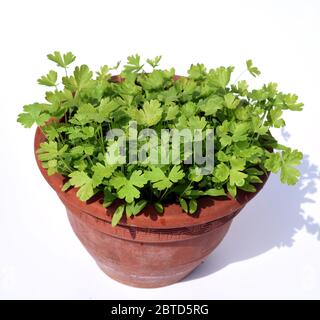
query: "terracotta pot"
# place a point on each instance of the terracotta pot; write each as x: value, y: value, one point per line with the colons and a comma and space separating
x: 149, y: 250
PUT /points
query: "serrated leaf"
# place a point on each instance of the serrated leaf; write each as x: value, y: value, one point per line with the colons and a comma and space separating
x: 80, y: 80
x: 220, y: 77
x: 81, y: 180
x: 160, y: 181
x: 197, y: 71
x: 289, y: 175
x: 231, y: 102
x: 275, y: 116
x: 49, y: 80
x: 171, y: 111
x: 212, y: 105
x: 133, y: 64
x: 48, y: 151
x: 85, y: 192
x: 34, y: 113
x: 273, y: 163
x: 149, y: 115
x: 154, y: 62
x: 236, y: 177
x: 101, y: 172
x: 68, y: 58
x: 106, y: 107
x: 176, y: 174
x: 128, y: 188
x: 61, y: 61
x: 52, y: 167
x: 253, y: 70
x: 221, y: 172
x: 152, y: 81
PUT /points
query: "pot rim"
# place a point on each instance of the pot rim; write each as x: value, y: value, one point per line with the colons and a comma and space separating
x: 209, y: 208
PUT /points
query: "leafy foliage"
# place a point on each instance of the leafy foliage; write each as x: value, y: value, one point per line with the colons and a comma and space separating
x: 82, y: 108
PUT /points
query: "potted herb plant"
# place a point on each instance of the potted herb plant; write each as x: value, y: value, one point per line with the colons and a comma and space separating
x: 114, y: 150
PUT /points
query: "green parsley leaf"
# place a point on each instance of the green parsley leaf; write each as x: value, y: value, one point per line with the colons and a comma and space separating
x: 232, y: 190
x: 81, y: 180
x: 108, y: 198
x: 128, y: 188
x: 231, y: 102
x: 34, y: 113
x: 117, y: 215
x: 133, y: 208
x: 101, y: 172
x: 212, y: 105
x: 61, y: 61
x: 149, y: 115
x: 221, y: 172
x: 193, y: 206
x: 215, y: 192
x: 80, y: 80
x: 197, y: 71
x: 184, y: 205
x: 154, y: 62
x: 274, y: 162
x: 253, y: 70
x: 133, y: 65
x: 275, y: 116
x: 220, y: 77
x: 49, y: 80
x: 160, y: 181
x: 289, y: 174
x: 237, y: 178
x: 159, y: 207
x: 49, y: 151
x: 171, y: 111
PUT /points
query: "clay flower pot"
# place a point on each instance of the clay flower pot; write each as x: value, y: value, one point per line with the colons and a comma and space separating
x: 149, y: 250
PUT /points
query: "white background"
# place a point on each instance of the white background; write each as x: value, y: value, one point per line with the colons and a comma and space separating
x: 273, y: 247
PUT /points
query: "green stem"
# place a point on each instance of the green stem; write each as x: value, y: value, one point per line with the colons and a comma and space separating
x: 240, y: 75
x: 102, y: 139
x: 164, y: 194
x: 65, y: 164
x: 186, y: 189
x: 258, y: 134
x: 88, y: 157
x: 60, y: 139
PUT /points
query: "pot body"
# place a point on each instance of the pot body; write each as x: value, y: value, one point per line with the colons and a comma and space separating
x: 152, y: 257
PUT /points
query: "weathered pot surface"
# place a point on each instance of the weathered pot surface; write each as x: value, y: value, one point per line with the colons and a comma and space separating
x: 149, y: 250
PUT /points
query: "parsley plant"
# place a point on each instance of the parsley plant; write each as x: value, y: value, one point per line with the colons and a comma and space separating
x: 82, y: 107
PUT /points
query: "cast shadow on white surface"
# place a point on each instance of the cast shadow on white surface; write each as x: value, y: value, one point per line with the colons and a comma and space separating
x: 271, y: 220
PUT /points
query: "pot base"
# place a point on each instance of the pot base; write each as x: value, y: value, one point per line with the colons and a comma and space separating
x: 139, y: 281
